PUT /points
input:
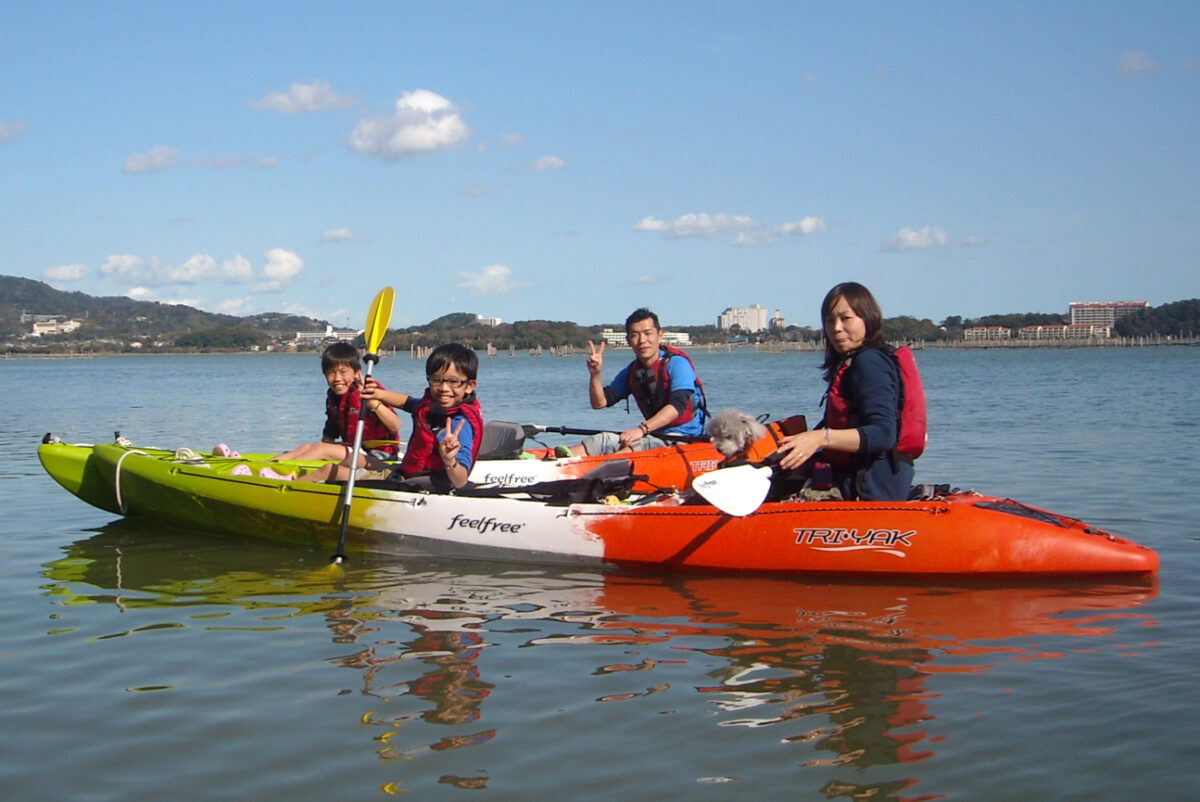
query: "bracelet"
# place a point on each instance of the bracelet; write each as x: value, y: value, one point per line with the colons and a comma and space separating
x: 827, y: 435
x: 645, y: 429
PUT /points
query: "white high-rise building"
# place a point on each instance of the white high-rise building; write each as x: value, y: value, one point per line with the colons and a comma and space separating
x: 1104, y: 313
x: 747, y: 318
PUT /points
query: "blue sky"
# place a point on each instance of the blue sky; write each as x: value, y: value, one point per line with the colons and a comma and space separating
x: 573, y: 161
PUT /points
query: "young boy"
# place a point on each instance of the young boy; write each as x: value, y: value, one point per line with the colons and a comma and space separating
x: 343, y: 373
x: 447, y: 424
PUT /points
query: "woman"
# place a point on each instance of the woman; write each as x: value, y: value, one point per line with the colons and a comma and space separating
x: 858, y: 438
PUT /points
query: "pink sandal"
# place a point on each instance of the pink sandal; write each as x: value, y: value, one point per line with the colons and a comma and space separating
x: 267, y: 473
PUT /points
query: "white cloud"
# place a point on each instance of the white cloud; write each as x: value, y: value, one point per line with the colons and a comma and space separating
x: 160, y: 157
x: 11, y: 130
x: 423, y: 122
x: 511, y: 140
x: 907, y: 239
x: 1136, y: 62
x: 65, y: 272
x: 744, y: 231
x: 698, y: 225
x: 199, y: 269
x: 338, y: 235
x: 973, y: 241
x: 802, y: 227
x: 317, y: 96
x: 548, y: 163
x: 235, y: 306
x: 491, y: 280
x: 204, y: 268
x: 281, y: 269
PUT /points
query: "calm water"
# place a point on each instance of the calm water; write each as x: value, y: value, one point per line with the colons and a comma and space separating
x: 145, y: 664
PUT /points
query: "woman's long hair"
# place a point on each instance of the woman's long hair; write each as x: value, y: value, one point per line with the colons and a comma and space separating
x: 860, y: 299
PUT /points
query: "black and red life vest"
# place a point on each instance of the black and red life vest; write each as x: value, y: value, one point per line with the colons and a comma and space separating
x: 342, y: 411
x: 911, y: 417
x: 651, y: 387
x: 421, y: 454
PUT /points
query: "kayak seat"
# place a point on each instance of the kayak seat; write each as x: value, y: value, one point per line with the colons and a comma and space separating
x: 611, y: 478
x: 501, y: 440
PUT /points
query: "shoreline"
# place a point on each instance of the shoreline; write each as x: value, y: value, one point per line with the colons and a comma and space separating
x: 766, y: 348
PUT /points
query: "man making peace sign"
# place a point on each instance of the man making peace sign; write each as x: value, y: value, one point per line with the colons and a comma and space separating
x: 663, y: 382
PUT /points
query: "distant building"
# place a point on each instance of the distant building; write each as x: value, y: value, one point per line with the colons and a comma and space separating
x: 51, y: 324
x: 1057, y: 331
x: 1104, y: 313
x: 331, y: 334
x: 617, y: 337
x: 777, y: 322
x: 1083, y: 331
x: 984, y: 333
x: 747, y: 318
x: 488, y: 321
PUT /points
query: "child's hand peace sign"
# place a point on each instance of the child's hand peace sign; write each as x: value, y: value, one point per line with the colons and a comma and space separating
x: 449, y: 445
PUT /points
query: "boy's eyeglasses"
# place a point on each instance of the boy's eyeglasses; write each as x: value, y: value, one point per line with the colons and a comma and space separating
x: 453, y: 384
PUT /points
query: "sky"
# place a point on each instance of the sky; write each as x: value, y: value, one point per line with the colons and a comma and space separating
x: 574, y: 161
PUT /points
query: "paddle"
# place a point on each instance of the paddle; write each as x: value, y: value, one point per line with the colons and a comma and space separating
x: 532, y: 429
x: 377, y: 322
x: 736, y: 491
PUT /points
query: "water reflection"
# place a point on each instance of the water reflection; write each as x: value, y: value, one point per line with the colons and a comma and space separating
x: 845, y: 672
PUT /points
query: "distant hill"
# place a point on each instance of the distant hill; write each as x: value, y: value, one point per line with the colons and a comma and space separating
x: 116, y: 323
x: 121, y: 318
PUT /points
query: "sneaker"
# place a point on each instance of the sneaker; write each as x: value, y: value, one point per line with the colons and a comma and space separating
x: 267, y: 473
x: 222, y: 450
x: 562, y: 451
x: 242, y: 470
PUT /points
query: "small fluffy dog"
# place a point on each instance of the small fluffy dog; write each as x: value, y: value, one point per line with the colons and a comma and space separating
x: 733, y: 431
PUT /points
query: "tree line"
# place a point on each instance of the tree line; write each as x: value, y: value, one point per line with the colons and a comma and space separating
x: 114, y: 323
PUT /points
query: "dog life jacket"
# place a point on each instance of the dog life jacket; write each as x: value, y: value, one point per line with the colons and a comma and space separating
x: 421, y: 455
x: 651, y: 387
x: 911, y: 417
x: 341, y: 422
x: 768, y: 444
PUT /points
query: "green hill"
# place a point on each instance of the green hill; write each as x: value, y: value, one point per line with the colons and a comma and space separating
x: 118, y: 320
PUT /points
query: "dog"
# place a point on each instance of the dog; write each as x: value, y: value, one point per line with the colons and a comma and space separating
x: 733, y: 431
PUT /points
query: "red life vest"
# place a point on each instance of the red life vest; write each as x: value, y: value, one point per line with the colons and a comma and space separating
x: 652, y: 395
x: 342, y: 411
x: 421, y: 455
x: 911, y: 417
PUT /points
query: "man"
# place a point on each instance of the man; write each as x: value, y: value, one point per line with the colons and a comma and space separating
x: 663, y: 382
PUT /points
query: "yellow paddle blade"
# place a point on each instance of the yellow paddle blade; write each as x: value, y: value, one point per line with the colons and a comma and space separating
x: 377, y: 319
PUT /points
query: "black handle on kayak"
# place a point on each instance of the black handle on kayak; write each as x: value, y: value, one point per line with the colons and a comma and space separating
x: 532, y: 429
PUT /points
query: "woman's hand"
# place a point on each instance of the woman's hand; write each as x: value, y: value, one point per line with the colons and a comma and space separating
x: 799, y: 448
